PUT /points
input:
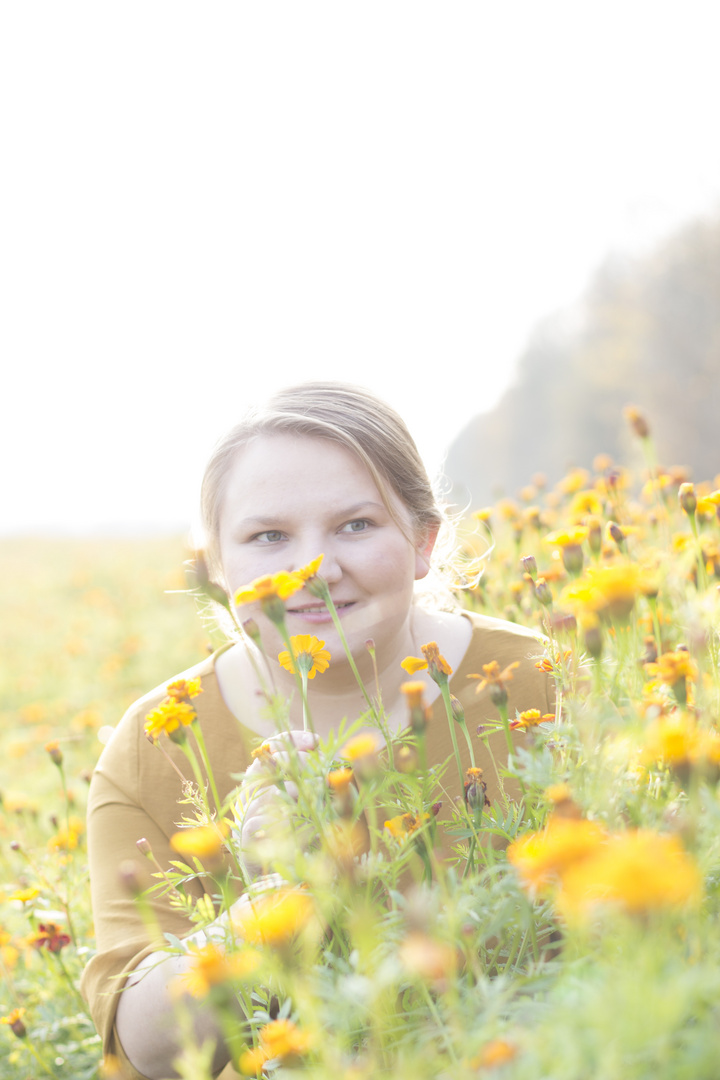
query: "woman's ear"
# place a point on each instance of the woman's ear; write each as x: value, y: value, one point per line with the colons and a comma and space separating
x: 424, y: 550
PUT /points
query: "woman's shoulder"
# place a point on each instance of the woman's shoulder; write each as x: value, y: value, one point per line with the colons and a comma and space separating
x: 487, y: 628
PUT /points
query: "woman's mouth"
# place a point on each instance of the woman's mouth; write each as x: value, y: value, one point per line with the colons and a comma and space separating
x: 318, y: 613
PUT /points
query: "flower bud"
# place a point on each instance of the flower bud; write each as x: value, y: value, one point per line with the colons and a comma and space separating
x: 542, y: 592
x: 475, y: 789
x: 594, y: 536
x: 143, y: 847
x: 130, y: 877
x: 637, y: 421
x: 688, y: 498
x: 572, y: 558
x: 55, y: 753
x: 457, y: 710
x: 616, y: 533
x: 529, y: 565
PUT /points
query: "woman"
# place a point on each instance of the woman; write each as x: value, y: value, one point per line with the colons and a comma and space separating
x: 325, y: 469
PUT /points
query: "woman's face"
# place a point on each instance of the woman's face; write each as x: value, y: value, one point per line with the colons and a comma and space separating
x: 290, y: 498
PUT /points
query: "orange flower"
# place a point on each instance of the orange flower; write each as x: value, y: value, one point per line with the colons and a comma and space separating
x: 212, y: 966
x: 531, y: 717
x: 310, y: 655
x: 184, y: 688
x: 204, y: 842
x: 433, y: 662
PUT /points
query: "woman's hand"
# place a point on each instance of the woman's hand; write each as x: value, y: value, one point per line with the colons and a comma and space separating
x: 262, y: 806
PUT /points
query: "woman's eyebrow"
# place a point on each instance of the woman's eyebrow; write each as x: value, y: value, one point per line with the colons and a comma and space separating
x: 279, y: 519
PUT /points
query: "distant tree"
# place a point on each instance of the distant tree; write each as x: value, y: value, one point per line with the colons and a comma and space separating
x: 647, y: 333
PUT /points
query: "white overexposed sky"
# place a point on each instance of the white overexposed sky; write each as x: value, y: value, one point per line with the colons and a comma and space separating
x: 203, y: 202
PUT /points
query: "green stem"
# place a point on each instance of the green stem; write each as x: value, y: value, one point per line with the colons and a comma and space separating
x: 200, y: 739
x: 445, y: 691
x: 341, y: 634
x: 298, y: 673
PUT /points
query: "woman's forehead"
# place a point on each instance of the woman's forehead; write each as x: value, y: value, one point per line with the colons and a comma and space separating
x: 283, y: 473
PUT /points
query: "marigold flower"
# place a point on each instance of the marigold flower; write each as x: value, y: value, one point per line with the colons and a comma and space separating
x: 169, y: 716
x: 541, y: 857
x: 637, y: 421
x: 404, y: 825
x: 53, y: 749
x: 181, y: 689
x: 310, y: 654
x: 49, y: 936
x: 638, y: 870
x: 275, y: 918
x: 532, y: 717
x: 414, y: 692
x: 609, y: 589
x: 212, y: 966
x: 567, y: 537
x: 475, y: 789
x: 283, y: 1038
x: 14, y: 1020
x: 204, y: 841
x: 24, y: 895
x: 687, y: 498
x: 364, y: 745
x: 494, y: 1053
x: 671, y: 667
x: 432, y: 661
x: 340, y: 779
x: 495, y: 679
x: 432, y: 961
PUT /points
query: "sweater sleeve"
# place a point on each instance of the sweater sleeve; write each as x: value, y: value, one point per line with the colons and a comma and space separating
x: 134, y: 795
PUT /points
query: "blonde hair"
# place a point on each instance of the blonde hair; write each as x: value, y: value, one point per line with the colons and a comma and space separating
x: 342, y: 413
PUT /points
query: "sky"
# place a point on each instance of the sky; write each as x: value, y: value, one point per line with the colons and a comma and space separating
x: 203, y: 203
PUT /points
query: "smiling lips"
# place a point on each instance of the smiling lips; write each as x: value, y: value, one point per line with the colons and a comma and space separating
x: 318, y: 613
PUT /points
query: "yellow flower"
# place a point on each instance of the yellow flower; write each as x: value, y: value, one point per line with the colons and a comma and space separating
x: 168, y: 717
x: 212, y: 966
x: 280, y: 586
x: 567, y: 537
x: 638, y: 870
x: 671, y: 667
x: 275, y: 918
x: 495, y: 679
x: 184, y: 688
x: 432, y: 661
x: 24, y: 895
x: 361, y: 746
x: 542, y: 857
x: 609, y: 589
x: 283, y: 1038
x: 205, y: 841
x: 585, y: 504
x: 413, y: 692
x: 532, y: 717
x: 340, y: 779
x: 404, y: 825
x: 15, y: 1022
x: 310, y: 654
x: 279, y: 1040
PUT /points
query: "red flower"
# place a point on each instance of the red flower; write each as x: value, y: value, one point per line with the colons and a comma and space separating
x: 49, y: 936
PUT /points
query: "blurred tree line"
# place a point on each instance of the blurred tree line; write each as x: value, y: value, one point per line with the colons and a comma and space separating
x: 647, y: 334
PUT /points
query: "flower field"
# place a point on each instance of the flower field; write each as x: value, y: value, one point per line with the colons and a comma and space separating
x: 572, y: 933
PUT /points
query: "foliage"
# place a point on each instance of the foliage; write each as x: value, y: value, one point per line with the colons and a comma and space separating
x: 583, y: 943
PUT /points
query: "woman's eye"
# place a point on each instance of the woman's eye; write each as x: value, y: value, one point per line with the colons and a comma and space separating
x: 359, y: 525
x: 272, y: 536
